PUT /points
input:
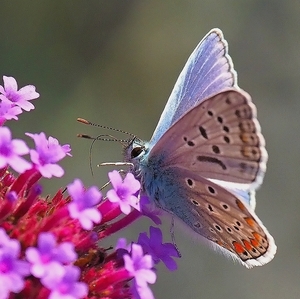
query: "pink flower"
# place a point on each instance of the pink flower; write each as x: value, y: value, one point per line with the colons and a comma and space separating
x: 47, y: 153
x: 140, y: 267
x: 11, y: 150
x: 49, y: 253
x: 159, y: 251
x: 19, y: 97
x: 83, y: 205
x: 9, y: 111
x: 63, y: 283
x: 124, y: 191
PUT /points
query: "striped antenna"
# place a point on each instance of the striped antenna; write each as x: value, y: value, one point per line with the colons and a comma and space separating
x: 104, y: 137
x: 87, y: 122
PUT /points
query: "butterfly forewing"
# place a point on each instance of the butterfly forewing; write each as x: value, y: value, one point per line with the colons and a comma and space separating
x: 219, y: 139
x: 208, y: 71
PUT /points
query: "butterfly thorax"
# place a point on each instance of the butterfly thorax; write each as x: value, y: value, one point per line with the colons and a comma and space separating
x: 150, y: 171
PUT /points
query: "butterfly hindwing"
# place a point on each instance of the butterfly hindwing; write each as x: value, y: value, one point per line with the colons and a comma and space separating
x: 216, y: 214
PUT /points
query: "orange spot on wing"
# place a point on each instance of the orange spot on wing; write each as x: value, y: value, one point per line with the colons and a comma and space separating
x: 250, y: 221
x: 254, y: 243
x: 245, y: 138
x: 246, y: 151
x: 257, y: 236
x: 247, y: 244
x: 240, y: 205
x: 238, y: 247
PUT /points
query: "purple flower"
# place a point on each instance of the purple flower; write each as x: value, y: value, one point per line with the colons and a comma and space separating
x: 141, y: 292
x: 10, y: 150
x: 63, y: 283
x: 9, y: 111
x: 122, y: 244
x: 158, y: 250
x: 150, y: 210
x: 83, y: 205
x: 47, y: 153
x: 122, y: 247
x: 20, y: 97
x: 4, y: 238
x: 12, y: 270
x: 140, y: 267
x: 49, y: 253
x: 123, y: 192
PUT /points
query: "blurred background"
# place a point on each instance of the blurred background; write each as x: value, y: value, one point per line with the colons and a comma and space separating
x: 115, y: 63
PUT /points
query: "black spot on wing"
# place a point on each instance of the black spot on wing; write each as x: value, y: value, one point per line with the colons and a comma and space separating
x: 212, y: 160
x: 203, y: 132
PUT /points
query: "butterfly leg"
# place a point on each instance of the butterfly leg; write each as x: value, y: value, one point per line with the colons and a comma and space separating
x: 116, y: 164
x: 172, y: 232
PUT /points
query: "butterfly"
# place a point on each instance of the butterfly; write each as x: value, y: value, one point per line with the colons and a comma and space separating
x: 207, y: 156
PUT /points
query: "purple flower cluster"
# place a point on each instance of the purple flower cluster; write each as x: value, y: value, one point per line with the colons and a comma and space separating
x: 51, y: 248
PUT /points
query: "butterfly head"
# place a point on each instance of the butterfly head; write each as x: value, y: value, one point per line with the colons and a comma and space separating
x: 134, y: 152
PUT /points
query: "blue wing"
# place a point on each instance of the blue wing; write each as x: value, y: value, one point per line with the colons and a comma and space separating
x: 209, y: 70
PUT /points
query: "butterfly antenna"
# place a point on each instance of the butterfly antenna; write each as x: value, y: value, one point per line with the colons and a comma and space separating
x: 124, y: 142
x: 87, y: 122
x: 94, y: 139
x: 105, y: 137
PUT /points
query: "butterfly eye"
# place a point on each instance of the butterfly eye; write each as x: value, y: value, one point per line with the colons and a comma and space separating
x: 136, y: 151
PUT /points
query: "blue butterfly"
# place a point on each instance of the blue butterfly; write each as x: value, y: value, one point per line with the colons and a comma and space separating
x: 207, y: 156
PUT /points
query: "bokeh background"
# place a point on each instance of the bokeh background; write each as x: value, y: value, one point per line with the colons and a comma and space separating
x: 115, y: 62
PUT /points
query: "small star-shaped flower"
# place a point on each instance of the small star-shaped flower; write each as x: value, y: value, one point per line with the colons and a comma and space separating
x: 8, y: 111
x: 150, y: 210
x: 10, y: 92
x: 140, y: 267
x: 11, y: 150
x: 48, y: 152
x: 83, y: 205
x: 63, y: 283
x: 124, y: 191
x: 158, y: 250
x: 12, y: 270
x: 48, y: 253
